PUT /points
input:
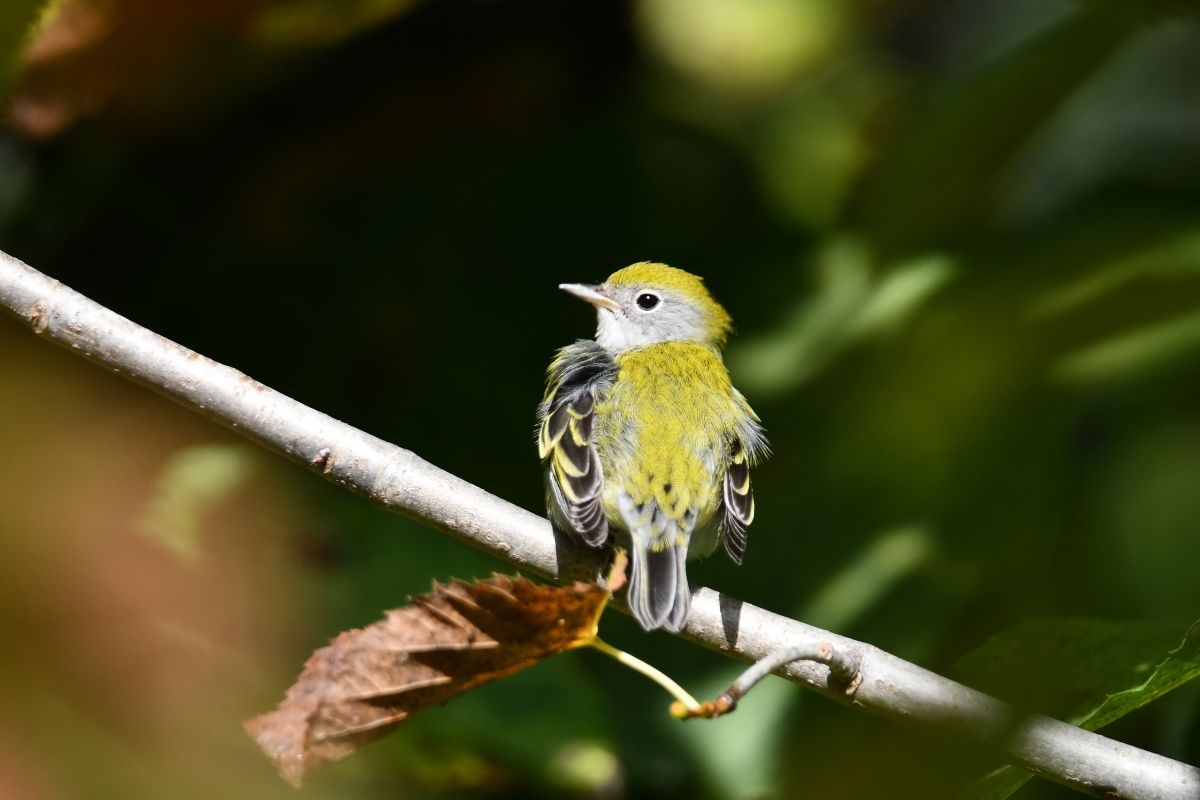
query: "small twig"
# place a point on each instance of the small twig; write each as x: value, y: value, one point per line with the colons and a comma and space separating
x: 682, y: 699
x: 323, y: 460
x: 843, y: 669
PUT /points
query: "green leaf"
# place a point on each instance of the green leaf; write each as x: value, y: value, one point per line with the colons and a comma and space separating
x: 1182, y: 665
x: 307, y: 23
x: 17, y: 17
x: 193, y: 483
x: 1086, y: 672
x: 946, y: 168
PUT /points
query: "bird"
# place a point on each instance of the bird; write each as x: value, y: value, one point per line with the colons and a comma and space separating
x: 644, y: 440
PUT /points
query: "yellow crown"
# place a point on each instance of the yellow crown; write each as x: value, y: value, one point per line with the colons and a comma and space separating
x: 652, y: 275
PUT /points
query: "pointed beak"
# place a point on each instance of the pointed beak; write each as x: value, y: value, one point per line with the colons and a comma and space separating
x: 591, y: 294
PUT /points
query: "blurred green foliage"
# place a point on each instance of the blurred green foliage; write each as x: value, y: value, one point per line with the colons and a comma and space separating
x: 1087, y: 672
x: 959, y: 241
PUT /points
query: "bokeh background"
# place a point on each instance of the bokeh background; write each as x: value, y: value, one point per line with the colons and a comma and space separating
x: 960, y: 241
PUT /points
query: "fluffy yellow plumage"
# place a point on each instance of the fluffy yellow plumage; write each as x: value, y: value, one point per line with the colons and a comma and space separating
x: 676, y: 400
x: 643, y: 434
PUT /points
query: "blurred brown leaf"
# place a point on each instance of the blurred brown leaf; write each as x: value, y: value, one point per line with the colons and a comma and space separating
x: 84, y: 52
x: 154, y: 61
x: 441, y: 645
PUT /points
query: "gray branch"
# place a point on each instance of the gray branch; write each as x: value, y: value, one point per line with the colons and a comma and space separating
x: 400, y: 481
x: 842, y: 668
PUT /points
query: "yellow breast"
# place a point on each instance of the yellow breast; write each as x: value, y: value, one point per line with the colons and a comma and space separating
x: 664, y: 427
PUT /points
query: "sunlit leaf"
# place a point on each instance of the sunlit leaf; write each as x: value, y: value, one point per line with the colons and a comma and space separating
x: 742, y: 46
x: 17, y: 17
x: 1178, y: 255
x: 1134, y: 353
x: 444, y: 643
x: 194, y: 482
x: 852, y: 591
x: 1181, y: 665
x: 323, y: 22
x: 1086, y: 672
x: 853, y: 302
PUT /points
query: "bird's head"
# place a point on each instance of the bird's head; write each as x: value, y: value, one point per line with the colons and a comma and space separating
x: 647, y: 303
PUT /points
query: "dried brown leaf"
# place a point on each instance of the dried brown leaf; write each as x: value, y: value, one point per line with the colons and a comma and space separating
x: 442, y: 644
x: 151, y: 62
x: 85, y: 53
x: 617, y: 574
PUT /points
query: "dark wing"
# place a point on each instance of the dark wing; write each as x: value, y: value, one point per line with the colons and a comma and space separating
x: 737, y: 502
x: 577, y: 376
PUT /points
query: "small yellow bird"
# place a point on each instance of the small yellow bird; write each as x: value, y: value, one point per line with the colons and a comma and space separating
x: 642, y: 434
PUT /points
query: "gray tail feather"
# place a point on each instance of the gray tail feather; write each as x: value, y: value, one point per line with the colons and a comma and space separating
x: 658, y: 588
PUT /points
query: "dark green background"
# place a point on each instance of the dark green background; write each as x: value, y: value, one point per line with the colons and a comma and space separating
x: 961, y: 245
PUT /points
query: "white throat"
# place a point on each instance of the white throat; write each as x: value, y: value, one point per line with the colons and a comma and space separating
x: 614, y: 334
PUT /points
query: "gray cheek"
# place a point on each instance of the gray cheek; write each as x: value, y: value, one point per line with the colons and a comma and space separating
x: 674, y: 320
x: 647, y: 328
x: 678, y: 322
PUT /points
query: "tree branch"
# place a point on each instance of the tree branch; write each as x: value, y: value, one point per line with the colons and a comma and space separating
x: 400, y: 481
x: 842, y: 668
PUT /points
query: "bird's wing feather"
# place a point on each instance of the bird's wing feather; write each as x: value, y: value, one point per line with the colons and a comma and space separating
x: 737, y: 501
x: 576, y: 378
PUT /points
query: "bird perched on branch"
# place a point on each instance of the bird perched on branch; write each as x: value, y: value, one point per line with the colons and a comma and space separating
x: 644, y: 437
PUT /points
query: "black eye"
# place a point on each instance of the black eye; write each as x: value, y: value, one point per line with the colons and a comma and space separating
x: 647, y: 301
